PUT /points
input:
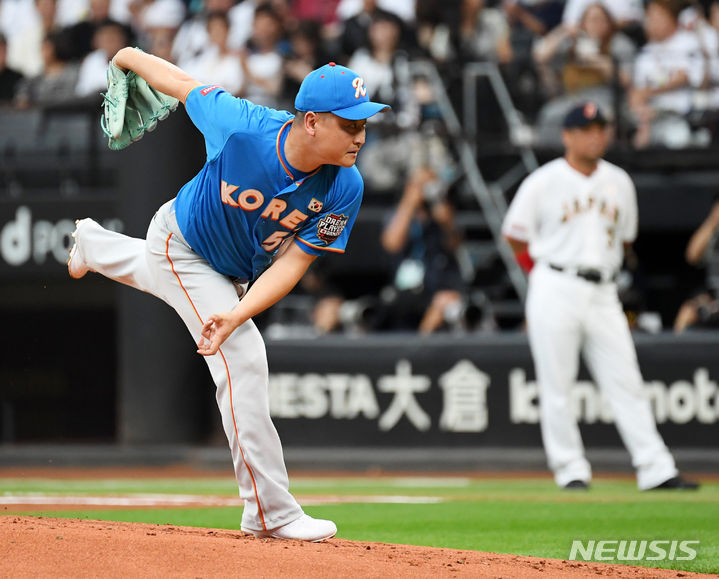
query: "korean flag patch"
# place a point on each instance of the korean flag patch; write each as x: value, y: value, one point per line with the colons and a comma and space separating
x: 315, y: 205
x: 330, y: 227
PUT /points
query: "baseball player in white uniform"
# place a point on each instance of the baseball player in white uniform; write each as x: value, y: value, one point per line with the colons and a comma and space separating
x: 568, y: 224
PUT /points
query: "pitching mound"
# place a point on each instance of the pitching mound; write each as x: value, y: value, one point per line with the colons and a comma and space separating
x: 45, y: 547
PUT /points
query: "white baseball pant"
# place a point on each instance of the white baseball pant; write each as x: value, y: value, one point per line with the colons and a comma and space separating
x: 566, y: 316
x: 165, y: 266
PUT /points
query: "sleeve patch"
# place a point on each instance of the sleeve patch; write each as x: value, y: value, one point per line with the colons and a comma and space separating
x: 208, y: 89
x: 331, y: 226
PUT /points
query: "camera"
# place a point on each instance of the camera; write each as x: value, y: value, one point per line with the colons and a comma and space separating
x: 434, y: 191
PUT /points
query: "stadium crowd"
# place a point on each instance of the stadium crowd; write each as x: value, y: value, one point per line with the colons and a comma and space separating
x: 651, y: 65
x: 655, y: 63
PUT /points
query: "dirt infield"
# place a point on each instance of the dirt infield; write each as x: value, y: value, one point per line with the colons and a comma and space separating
x: 46, y: 547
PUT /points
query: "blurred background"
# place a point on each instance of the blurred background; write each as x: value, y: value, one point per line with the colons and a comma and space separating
x: 409, y: 350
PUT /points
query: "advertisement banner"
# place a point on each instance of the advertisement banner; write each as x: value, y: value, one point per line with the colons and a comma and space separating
x: 409, y: 391
x: 35, y: 232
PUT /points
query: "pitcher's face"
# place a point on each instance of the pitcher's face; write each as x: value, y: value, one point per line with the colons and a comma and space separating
x: 339, y: 140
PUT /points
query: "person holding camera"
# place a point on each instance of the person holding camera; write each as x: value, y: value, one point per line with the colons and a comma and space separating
x: 427, y: 289
x: 701, y: 311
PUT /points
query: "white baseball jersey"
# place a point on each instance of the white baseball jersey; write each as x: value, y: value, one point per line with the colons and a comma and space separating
x: 573, y: 220
x: 657, y: 62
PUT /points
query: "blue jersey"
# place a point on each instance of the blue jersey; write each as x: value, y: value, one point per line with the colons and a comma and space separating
x: 247, y: 199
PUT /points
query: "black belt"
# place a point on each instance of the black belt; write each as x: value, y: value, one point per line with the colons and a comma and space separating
x: 588, y: 273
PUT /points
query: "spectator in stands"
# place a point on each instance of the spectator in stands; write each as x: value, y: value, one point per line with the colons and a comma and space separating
x: 667, y: 70
x: 590, y: 62
x: 437, y: 29
x: 702, y: 310
x: 285, y: 12
x: 58, y: 80
x: 217, y: 63
x: 306, y: 54
x: 83, y: 33
x: 109, y: 37
x: 70, y: 12
x: 465, y: 30
x: 427, y: 292
x: 484, y: 33
x: 263, y: 60
x: 696, y: 18
x: 531, y: 19
x: 157, y: 26
x: 121, y: 11
x: 404, y: 9
x: 9, y: 78
x: 323, y: 13
x: 25, y: 45
x: 375, y: 63
x: 385, y: 70
x: 326, y: 314
x: 713, y: 21
x: 628, y: 15
x: 714, y: 14
x: 15, y: 15
x: 335, y: 299
x: 528, y: 21
x: 192, y: 38
x: 355, y: 30
x: 704, y: 23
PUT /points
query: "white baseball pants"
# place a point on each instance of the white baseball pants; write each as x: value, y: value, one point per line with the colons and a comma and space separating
x: 566, y: 316
x: 165, y: 266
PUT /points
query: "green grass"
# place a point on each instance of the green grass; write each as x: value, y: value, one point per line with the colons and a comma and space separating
x: 520, y: 516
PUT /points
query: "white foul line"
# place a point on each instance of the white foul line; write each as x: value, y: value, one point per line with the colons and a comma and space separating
x: 154, y: 500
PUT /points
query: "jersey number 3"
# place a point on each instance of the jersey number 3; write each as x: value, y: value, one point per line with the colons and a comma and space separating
x: 611, y: 236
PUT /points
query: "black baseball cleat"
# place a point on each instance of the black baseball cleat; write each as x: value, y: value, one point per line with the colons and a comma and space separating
x: 677, y: 483
x: 576, y: 485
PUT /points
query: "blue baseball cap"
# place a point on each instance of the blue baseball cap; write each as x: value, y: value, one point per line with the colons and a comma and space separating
x: 336, y: 89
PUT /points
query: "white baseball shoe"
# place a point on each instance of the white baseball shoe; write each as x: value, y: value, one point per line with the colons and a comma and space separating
x: 76, y: 265
x: 303, y: 529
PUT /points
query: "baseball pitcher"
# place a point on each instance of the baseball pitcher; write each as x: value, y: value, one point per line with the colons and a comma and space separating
x: 277, y: 190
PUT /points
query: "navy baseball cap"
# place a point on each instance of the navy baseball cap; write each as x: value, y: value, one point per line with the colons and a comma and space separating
x: 584, y: 115
x: 336, y: 89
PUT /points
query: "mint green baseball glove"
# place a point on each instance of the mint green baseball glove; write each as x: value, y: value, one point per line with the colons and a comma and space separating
x: 131, y: 107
